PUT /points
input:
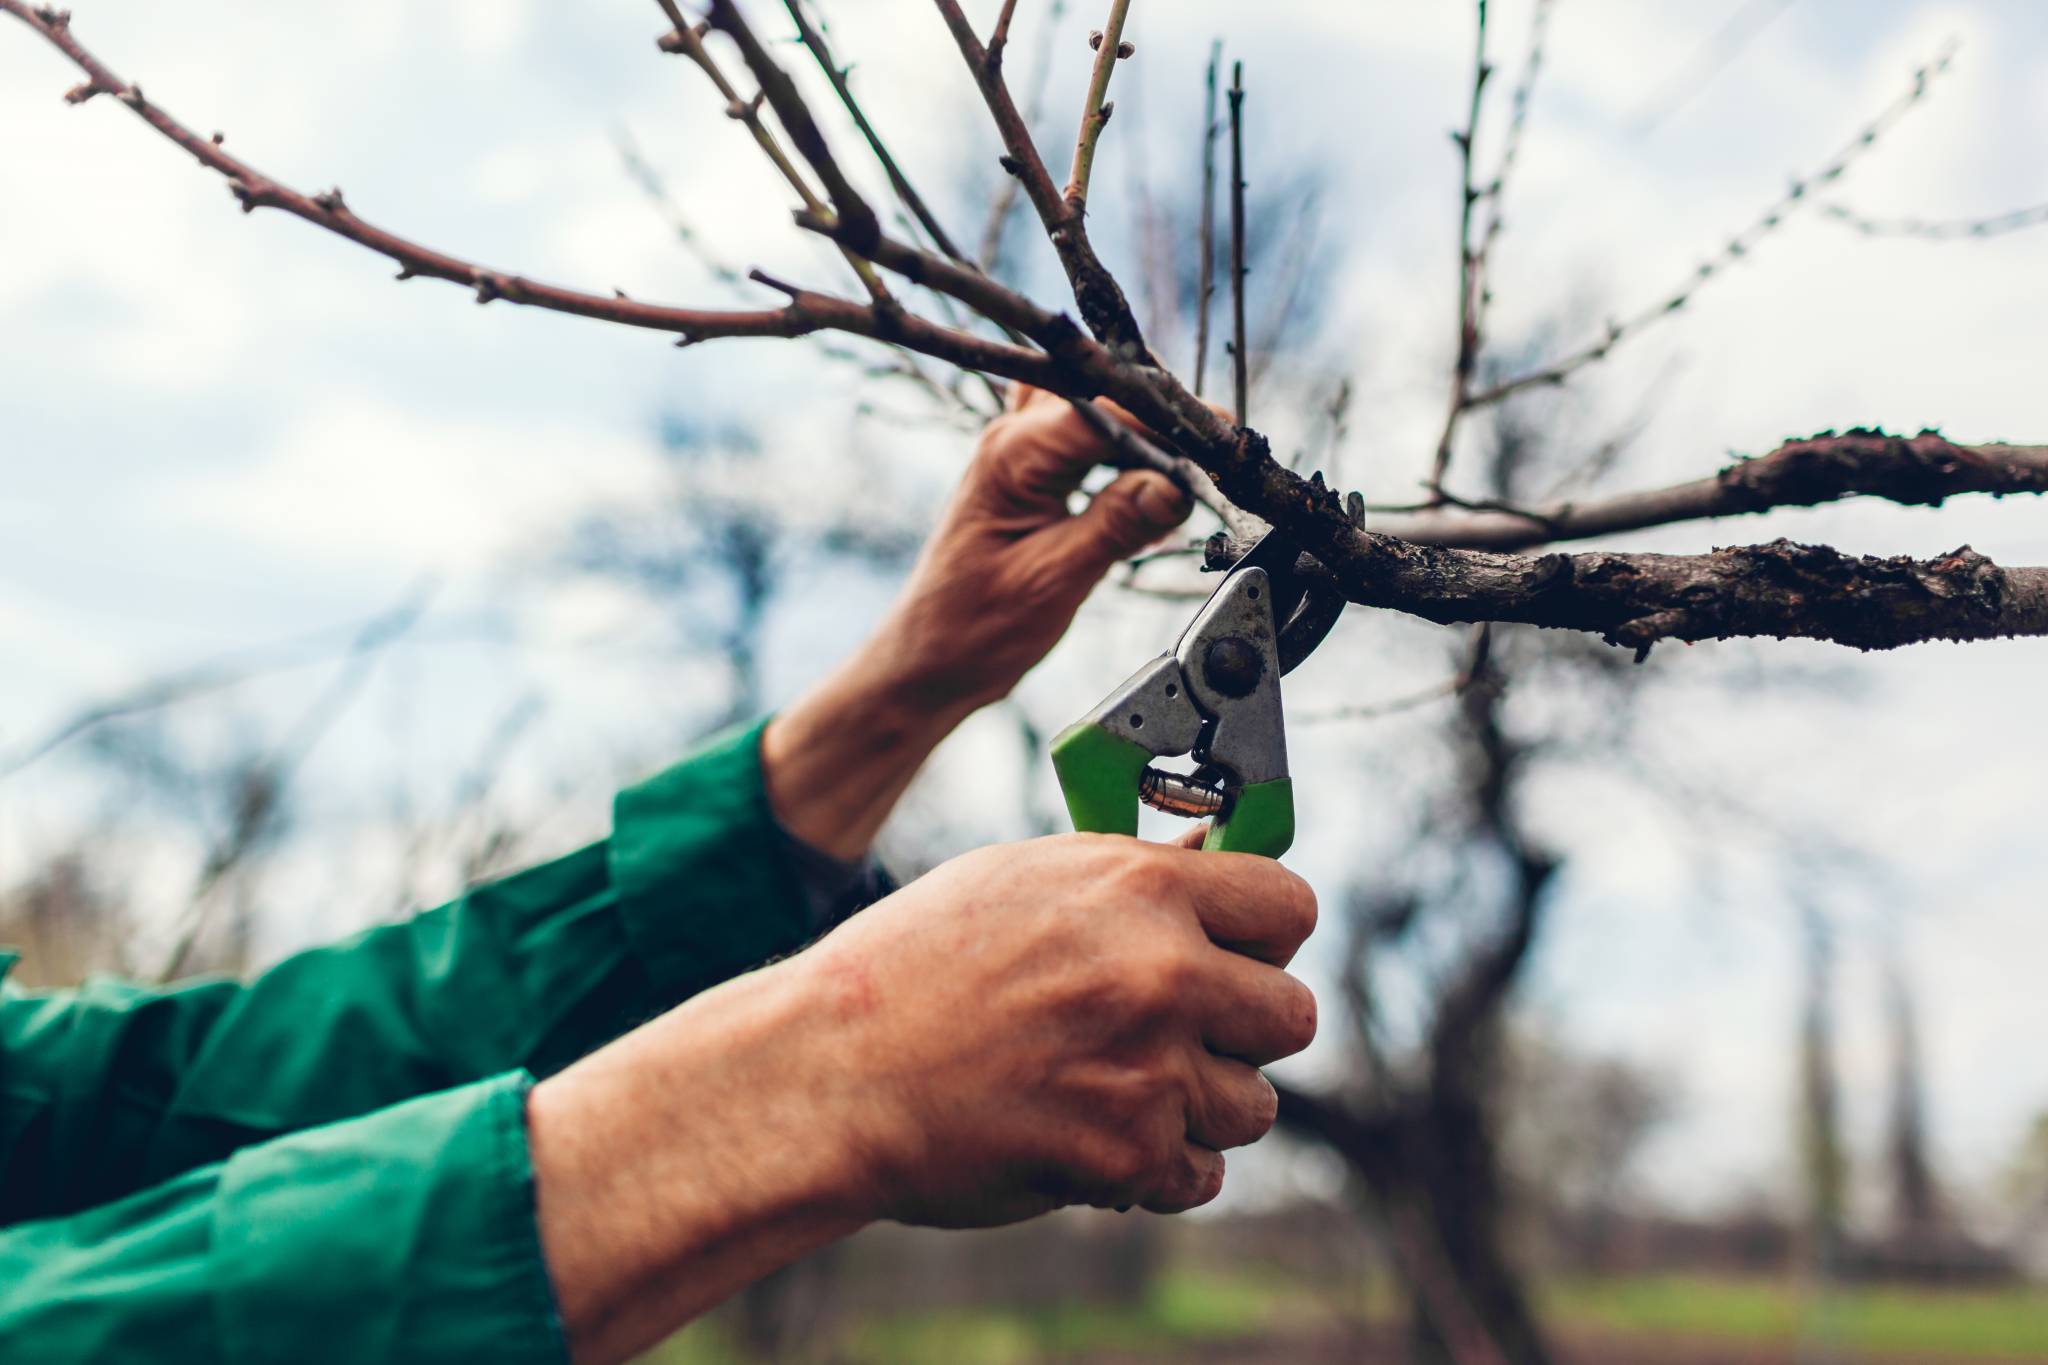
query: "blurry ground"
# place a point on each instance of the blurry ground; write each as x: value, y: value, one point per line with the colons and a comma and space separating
x: 1668, y: 1319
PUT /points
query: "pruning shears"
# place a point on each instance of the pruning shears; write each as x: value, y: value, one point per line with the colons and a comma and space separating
x: 1215, y: 696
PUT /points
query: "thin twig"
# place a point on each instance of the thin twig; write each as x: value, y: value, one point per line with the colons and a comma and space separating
x: 1135, y: 451
x: 1939, y: 229
x: 856, y: 215
x: 1719, y: 52
x: 687, y: 40
x: 257, y: 809
x: 1466, y: 364
x: 903, y: 365
x: 1005, y: 202
x: 1205, y: 288
x: 1110, y: 48
x: 1240, y: 360
x: 1096, y: 291
x: 216, y: 676
x: 1454, y: 686
x: 905, y: 192
x: 805, y: 311
x: 999, y: 37
x: 1734, y: 250
x: 812, y: 38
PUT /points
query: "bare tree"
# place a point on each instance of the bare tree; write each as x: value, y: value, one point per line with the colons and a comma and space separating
x: 1425, y: 1134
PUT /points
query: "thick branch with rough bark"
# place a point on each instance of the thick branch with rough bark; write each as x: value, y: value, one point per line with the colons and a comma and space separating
x: 1782, y: 589
x: 1923, y: 470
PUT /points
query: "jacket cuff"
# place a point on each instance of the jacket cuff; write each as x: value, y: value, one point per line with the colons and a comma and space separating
x: 702, y: 871
x: 405, y: 1235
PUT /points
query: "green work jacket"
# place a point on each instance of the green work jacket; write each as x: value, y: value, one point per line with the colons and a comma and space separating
x: 329, y: 1162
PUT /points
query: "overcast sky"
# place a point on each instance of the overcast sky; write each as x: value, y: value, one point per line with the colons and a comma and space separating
x: 222, y: 432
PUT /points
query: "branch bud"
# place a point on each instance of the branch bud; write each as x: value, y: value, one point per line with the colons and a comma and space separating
x: 83, y: 91
x: 1125, y: 49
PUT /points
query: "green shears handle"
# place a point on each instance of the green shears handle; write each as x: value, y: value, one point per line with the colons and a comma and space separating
x: 1099, y: 774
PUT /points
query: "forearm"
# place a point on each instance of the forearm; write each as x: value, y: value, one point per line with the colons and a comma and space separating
x: 836, y: 762
x: 689, y: 1159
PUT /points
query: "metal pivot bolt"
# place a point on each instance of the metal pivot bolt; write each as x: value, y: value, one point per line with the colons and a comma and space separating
x: 1232, y: 666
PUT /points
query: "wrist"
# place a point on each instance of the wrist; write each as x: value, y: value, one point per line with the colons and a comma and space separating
x: 835, y: 761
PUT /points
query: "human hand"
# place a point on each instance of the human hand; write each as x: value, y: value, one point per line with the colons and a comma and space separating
x: 1009, y: 565
x: 1072, y: 1020
x: 997, y: 585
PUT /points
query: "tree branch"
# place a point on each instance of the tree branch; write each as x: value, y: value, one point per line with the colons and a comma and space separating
x: 1205, y: 285
x: 1096, y: 292
x: 1732, y: 251
x: 1240, y: 356
x: 1466, y: 364
x: 812, y: 38
x: 860, y: 225
x: 1921, y: 470
x: 805, y: 312
x: 1005, y: 201
x: 1783, y: 590
x: 1110, y: 48
x: 1939, y: 229
x: 687, y: 39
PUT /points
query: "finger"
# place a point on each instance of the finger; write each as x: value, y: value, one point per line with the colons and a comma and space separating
x: 1192, y: 836
x: 1122, y: 519
x: 1233, y: 1103
x: 1196, y: 1179
x: 1046, y: 450
x: 1022, y: 396
x: 1251, y: 1011
x: 1249, y: 904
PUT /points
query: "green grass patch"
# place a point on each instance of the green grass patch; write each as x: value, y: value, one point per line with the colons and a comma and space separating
x: 1180, y: 1308
x: 1952, y: 1327
x: 1942, y: 1324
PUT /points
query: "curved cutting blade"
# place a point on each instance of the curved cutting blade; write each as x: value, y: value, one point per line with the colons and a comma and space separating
x: 1305, y: 609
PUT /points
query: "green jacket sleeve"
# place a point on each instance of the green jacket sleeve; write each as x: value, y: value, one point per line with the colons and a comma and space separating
x: 405, y: 1235
x: 112, y: 1088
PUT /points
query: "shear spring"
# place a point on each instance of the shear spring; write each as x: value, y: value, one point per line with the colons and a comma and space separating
x: 1177, y: 795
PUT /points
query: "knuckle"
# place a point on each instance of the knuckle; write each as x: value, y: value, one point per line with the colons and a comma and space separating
x: 1157, y: 982
x: 1143, y: 876
x: 1120, y: 1162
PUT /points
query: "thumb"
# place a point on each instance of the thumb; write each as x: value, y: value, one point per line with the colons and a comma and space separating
x: 1132, y: 512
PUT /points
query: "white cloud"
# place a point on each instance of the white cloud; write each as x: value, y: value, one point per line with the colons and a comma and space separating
x: 361, y: 482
